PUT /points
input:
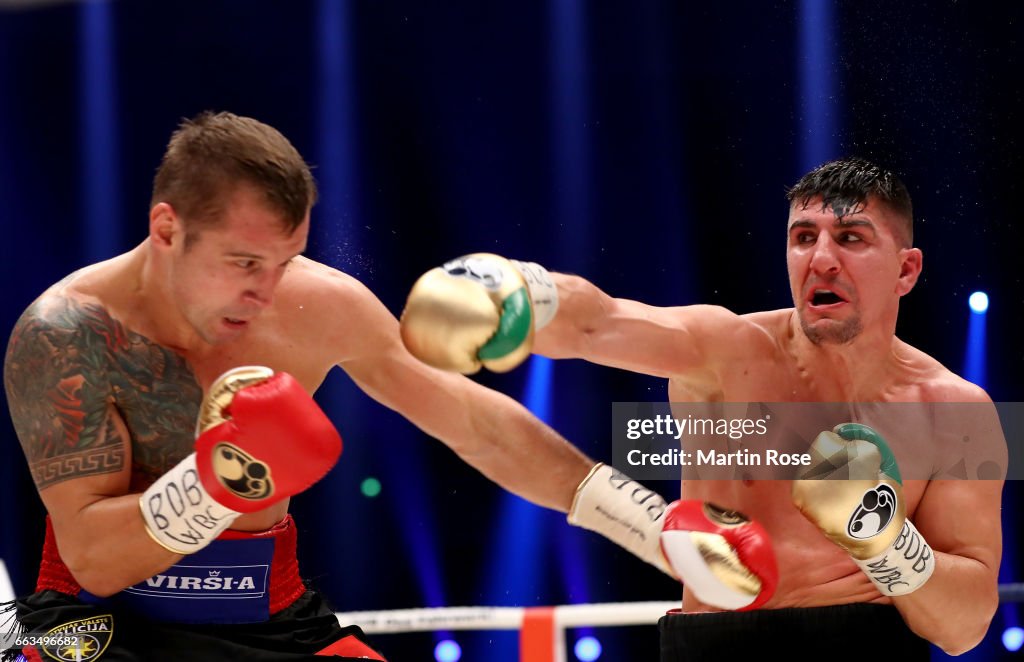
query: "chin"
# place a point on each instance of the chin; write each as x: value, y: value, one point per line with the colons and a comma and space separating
x: 831, y: 332
x: 218, y: 335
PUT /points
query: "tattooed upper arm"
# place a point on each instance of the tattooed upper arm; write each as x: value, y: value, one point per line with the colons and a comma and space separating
x: 59, y: 393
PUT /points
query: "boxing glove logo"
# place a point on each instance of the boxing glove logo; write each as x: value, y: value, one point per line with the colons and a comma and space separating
x: 486, y: 272
x: 876, y: 509
x: 242, y: 474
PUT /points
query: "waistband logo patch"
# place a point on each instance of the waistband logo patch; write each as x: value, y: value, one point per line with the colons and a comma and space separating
x: 203, y: 581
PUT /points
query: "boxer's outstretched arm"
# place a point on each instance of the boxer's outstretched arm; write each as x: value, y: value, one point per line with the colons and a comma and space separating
x: 634, y: 336
x: 490, y: 431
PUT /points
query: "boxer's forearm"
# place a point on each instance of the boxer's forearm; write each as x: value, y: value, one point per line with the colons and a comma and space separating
x: 489, y: 430
x: 106, y: 547
x: 504, y: 442
x: 581, y: 308
x: 954, y: 608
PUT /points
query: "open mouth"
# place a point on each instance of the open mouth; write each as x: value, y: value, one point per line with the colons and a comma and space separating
x: 235, y: 323
x: 825, y: 298
x: 821, y: 297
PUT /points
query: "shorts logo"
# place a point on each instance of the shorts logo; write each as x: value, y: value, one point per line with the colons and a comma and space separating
x: 196, y: 581
x: 877, y: 508
x: 84, y: 639
x: 244, y: 475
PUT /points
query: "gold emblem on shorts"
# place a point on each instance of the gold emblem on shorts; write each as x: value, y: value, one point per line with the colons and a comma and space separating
x: 241, y: 473
x: 79, y: 641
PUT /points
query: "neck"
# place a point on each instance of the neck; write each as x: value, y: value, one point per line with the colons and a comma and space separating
x: 167, y: 325
x: 858, y: 370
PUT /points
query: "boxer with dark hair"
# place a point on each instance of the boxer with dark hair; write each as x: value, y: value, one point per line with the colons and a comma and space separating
x: 901, y: 562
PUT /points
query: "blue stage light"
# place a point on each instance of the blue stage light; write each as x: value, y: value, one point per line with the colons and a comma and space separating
x: 447, y: 651
x: 978, y: 302
x: 587, y: 649
x: 1013, y: 638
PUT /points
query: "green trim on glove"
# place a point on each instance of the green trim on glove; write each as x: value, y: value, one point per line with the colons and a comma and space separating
x: 852, y: 431
x: 513, y: 327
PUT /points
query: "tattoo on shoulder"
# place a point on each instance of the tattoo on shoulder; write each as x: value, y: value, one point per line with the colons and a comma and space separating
x: 60, y: 388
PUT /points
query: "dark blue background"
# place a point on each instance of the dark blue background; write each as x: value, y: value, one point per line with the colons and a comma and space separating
x: 643, y: 145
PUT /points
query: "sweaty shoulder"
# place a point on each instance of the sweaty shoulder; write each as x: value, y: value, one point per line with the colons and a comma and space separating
x: 315, y: 287
x: 323, y: 306
x: 934, y: 381
x: 753, y: 334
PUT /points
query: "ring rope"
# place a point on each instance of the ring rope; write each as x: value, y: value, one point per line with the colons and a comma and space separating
x: 428, y: 619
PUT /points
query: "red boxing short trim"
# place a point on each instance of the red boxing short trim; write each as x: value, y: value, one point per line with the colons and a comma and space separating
x: 53, y: 573
x: 348, y: 647
x: 286, y: 585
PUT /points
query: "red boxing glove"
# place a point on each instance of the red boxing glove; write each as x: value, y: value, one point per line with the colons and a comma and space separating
x: 262, y: 439
x: 720, y: 555
x: 275, y: 443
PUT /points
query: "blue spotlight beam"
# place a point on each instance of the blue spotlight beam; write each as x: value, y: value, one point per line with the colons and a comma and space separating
x: 974, y: 354
x: 569, y: 119
x: 819, y: 101
x: 570, y: 113
x: 516, y: 542
x: 514, y: 573
x: 337, y: 151
x: 975, y: 359
x: 101, y: 192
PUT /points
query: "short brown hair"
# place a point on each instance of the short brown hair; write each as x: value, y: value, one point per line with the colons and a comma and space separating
x: 209, y: 155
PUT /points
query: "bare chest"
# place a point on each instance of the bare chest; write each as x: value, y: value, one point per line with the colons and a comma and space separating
x: 157, y: 393
x: 813, y: 571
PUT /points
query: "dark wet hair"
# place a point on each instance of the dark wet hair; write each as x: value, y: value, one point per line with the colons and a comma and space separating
x: 845, y: 186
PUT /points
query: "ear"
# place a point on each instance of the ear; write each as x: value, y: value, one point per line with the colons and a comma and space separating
x: 164, y: 225
x: 911, y: 263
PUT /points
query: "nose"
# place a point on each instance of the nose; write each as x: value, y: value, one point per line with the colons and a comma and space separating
x: 825, y: 256
x: 261, y: 289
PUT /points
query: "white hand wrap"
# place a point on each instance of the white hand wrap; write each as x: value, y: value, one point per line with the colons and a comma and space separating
x: 904, y: 567
x: 622, y: 510
x: 179, y: 513
x: 543, y: 292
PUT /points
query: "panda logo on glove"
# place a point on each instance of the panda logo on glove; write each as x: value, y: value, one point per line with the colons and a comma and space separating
x: 877, y: 508
x: 241, y: 473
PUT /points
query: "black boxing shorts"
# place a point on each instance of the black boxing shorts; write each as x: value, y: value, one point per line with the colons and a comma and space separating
x: 60, y: 628
x: 837, y: 632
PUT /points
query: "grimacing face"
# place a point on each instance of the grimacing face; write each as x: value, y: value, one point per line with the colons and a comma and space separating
x: 228, y: 276
x: 847, y: 274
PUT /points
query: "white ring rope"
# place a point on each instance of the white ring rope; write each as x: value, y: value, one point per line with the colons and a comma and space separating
x: 430, y: 619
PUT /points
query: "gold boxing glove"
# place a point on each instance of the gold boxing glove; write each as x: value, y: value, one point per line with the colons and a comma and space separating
x: 853, y: 492
x: 477, y: 310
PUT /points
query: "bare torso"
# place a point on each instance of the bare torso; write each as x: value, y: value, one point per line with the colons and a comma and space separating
x: 812, y: 570
x: 153, y: 389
